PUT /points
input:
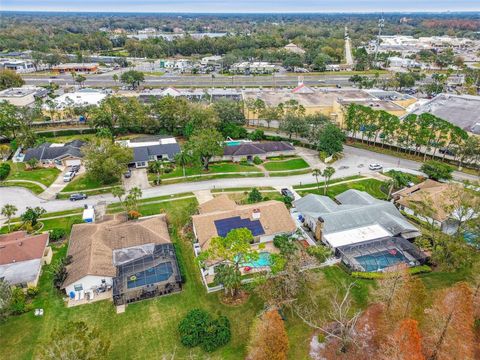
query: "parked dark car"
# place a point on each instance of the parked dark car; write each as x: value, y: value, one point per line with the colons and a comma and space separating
x: 288, y: 193
x: 75, y: 168
x: 127, y: 174
x: 446, y: 151
x: 79, y: 196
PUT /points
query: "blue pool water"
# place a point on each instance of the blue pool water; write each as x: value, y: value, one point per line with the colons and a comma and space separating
x: 262, y: 261
x: 232, y: 143
x: 381, y: 260
x: 156, y: 274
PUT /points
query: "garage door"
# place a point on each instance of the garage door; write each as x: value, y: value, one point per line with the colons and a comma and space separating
x: 73, y: 162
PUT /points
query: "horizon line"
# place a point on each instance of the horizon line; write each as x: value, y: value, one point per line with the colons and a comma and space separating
x: 248, y: 12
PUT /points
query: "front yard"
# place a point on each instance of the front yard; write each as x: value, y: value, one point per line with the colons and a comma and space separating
x: 84, y: 183
x: 371, y: 186
x: 45, y: 176
x: 285, y: 165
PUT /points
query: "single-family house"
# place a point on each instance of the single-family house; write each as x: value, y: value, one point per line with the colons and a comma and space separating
x: 151, y: 148
x: 133, y: 259
x: 76, y: 67
x: 369, y: 234
x: 220, y: 215
x: 434, y: 196
x: 49, y: 154
x: 22, y: 257
x: 249, y: 150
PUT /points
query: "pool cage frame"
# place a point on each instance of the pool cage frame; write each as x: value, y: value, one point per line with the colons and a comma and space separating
x: 164, y: 253
x: 348, y: 253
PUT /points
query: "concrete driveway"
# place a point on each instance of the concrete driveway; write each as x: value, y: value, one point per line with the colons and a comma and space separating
x: 311, y: 157
x: 58, y: 185
x: 138, y: 179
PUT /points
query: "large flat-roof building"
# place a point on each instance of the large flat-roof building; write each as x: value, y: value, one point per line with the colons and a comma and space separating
x: 23, y: 96
x: 460, y: 110
x: 76, y: 67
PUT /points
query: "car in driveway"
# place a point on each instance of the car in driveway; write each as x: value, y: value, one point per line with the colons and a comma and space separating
x: 286, y: 192
x: 375, y: 167
x: 79, y: 196
x: 74, y: 168
x: 69, y: 175
x: 127, y: 174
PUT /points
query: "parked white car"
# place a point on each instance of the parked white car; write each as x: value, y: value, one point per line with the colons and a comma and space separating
x: 68, y: 176
x: 375, y: 167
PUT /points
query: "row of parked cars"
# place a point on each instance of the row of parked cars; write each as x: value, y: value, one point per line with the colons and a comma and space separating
x: 70, y: 174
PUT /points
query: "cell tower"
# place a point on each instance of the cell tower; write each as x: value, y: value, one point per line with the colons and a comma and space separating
x: 381, y: 25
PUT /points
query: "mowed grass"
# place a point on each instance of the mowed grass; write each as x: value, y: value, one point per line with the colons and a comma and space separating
x: 148, y: 329
x: 45, y: 176
x: 292, y: 164
x: 83, y: 182
x: 214, y: 168
x: 36, y: 189
x: 371, y: 186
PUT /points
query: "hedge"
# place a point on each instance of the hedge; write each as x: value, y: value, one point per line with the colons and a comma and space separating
x: 4, y: 171
x: 379, y: 275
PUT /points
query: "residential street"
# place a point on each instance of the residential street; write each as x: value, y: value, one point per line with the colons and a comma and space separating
x: 354, y: 162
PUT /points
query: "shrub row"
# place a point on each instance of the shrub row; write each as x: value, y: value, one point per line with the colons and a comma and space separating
x: 4, y: 171
x: 379, y: 275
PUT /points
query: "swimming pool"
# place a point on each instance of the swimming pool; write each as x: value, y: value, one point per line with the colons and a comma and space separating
x: 262, y: 261
x: 381, y: 260
x: 159, y: 273
x: 232, y: 143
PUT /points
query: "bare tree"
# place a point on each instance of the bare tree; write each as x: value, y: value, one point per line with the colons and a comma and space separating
x: 341, y: 318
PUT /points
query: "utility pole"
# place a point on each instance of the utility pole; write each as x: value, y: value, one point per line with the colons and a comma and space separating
x: 381, y: 25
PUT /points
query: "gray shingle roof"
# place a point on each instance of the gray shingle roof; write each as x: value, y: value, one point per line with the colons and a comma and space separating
x: 143, y: 153
x: 47, y: 152
x: 359, y: 210
x: 257, y: 148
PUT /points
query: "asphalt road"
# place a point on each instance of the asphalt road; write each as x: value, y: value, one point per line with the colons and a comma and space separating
x: 280, y: 80
x: 355, y: 161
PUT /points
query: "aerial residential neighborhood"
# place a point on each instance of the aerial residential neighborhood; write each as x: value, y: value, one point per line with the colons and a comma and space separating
x: 249, y: 180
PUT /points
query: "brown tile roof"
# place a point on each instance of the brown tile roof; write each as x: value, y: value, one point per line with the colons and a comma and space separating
x: 91, y: 245
x: 274, y: 218
x: 220, y: 202
x: 19, y: 246
x: 431, y: 191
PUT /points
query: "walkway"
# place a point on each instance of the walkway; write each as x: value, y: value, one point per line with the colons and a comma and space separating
x: 203, y: 196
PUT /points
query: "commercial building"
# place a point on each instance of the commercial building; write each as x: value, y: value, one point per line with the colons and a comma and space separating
x: 133, y: 260
x: 82, y: 97
x: 76, y: 67
x: 367, y: 233
x: 406, y: 63
x: 460, y: 110
x: 22, y: 257
x: 247, y: 68
x: 211, y: 94
x: 330, y: 102
x: 23, y: 96
x: 19, y: 66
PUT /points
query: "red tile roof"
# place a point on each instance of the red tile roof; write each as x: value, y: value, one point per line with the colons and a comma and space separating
x: 19, y: 246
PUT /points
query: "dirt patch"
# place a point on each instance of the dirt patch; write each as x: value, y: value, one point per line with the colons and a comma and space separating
x: 240, y: 299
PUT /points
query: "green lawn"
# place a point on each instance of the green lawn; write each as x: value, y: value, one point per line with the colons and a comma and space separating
x: 220, y: 167
x: 82, y: 183
x: 36, y: 189
x: 292, y: 164
x: 320, y: 183
x: 371, y: 186
x: 45, y: 176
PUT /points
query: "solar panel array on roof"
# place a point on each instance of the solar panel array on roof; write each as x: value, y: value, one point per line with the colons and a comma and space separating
x: 224, y: 226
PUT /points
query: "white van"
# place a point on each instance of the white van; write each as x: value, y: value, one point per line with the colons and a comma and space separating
x: 68, y: 176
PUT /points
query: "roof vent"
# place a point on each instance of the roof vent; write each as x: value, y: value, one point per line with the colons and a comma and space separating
x: 256, y: 214
x: 20, y: 243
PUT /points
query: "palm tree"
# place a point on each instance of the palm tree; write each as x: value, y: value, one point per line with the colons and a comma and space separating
x: 396, y: 181
x: 115, y: 78
x: 183, y: 158
x: 118, y: 192
x: 9, y: 211
x: 317, y: 173
x: 158, y: 168
x: 327, y: 174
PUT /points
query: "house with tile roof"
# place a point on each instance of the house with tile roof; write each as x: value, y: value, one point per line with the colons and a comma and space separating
x: 249, y: 150
x: 133, y: 259
x: 221, y: 215
x: 22, y: 257
x: 49, y: 154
